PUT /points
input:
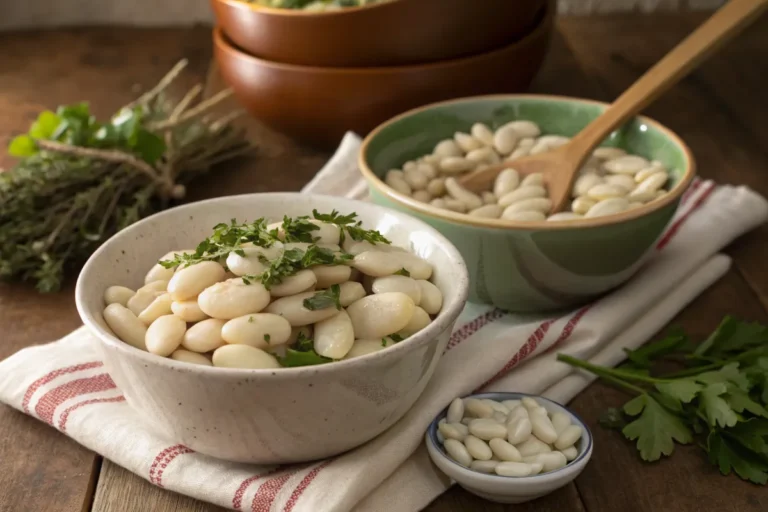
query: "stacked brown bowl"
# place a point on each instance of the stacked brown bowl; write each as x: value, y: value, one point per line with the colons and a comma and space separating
x: 316, y: 75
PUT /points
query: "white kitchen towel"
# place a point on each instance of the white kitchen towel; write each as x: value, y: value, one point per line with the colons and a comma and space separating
x: 64, y: 384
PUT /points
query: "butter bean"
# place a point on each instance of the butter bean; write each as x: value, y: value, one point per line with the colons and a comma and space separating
x: 504, y: 451
x: 190, y: 281
x: 408, y: 166
x: 532, y: 446
x: 250, y: 263
x: 477, y: 448
x: 585, y: 182
x: 562, y: 216
x: 233, y: 298
x: 419, y: 320
x: 365, y: 347
x: 640, y: 198
x: 328, y: 234
x: 159, y: 273
x: 427, y: 170
x: 497, y: 406
x: 550, y: 461
x: 456, y: 165
x: 484, y: 155
x: 188, y: 310
x: 453, y: 431
x: 608, y: 207
x: 521, y: 194
x: 570, y: 453
x: 608, y: 153
x: 470, y: 200
x: 606, y: 191
x: 519, y: 430
x: 204, y: 336
x: 455, y: 411
x: 379, y: 315
x: 306, y: 330
x: 517, y: 413
x: 397, y: 183
x: 650, y: 184
x: 477, y: 408
x: 349, y: 292
x: 334, y: 336
x: 530, y: 404
x: 118, y: 295
x: 190, y: 357
x: 516, y: 469
x: 536, y: 204
x: 542, y: 428
x: 422, y: 196
x: 535, y: 178
x: 141, y: 300
x: 628, y: 164
x: 436, y: 187
x: 511, y: 404
x: 454, y: 205
x: 560, y: 421
x: 159, y: 307
x: 328, y: 275
x: 527, y: 129
x: 488, y: 211
x: 482, y: 133
x: 488, y: 197
x: 622, y: 180
x: 397, y: 283
x: 466, y: 142
x: 431, y: 297
x: 568, y: 437
x: 581, y: 205
x: 484, y: 466
x: 536, y: 468
x: 299, y: 282
x: 243, y: 356
x: 165, y: 334
x: 126, y: 325
x: 447, y: 148
x: 458, y: 452
x: 292, y: 309
x: 505, y: 139
x: 415, y: 179
x: 487, y: 429
x: 649, y: 171
x: 380, y: 264
x: 524, y: 216
x: 260, y: 330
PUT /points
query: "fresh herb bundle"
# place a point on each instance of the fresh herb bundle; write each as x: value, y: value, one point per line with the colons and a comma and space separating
x: 79, y: 180
x: 718, y: 400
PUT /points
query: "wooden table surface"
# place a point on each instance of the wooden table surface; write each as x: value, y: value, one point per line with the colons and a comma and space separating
x: 720, y: 111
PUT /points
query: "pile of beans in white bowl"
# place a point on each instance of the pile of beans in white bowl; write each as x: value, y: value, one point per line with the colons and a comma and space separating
x: 514, y: 438
x: 611, y: 181
x: 297, y: 292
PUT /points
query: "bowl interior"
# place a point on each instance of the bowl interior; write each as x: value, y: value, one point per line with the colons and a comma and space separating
x: 126, y: 257
x: 416, y: 133
x: 584, y: 445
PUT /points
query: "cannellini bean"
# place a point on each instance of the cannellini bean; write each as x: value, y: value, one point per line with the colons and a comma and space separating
x: 204, y: 336
x: 453, y: 431
x: 365, y: 347
x: 407, y: 166
x: 456, y: 165
x: 608, y: 207
x: 585, y: 182
x: 553, y: 141
x: 634, y: 204
x: 165, y: 334
x: 477, y: 408
x: 243, y: 356
x: 159, y: 307
x: 233, y: 298
x: 581, y: 205
x: 482, y: 133
x: 328, y: 275
x: 608, y: 153
x: 454, y: 205
x: 560, y: 421
x: 306, y: 330
x: 328, y: 234
x: 159, y: 273
x: 542, y: 428
x: 650, y: 184
x: 606, y: 191
x: 570, y: 453
x: 551, y: 461
x: 568, y: 437
x: 188, y: 310
x: 497, y: 406
x: 455, y: 411
x: 628, y: 164
x: 141, y: 300
x: 561, y: 216
x: 518, y: 469
x: 504, y: 451
x: 527, y: 129
x: 529, y: 403
x: 297, y: 283
x: 431, y: 297
x: 415, y: 179
x: 422, y: 196
x: 470, y: 200
x: 649, y: 171
x: 334, y: 336
x: 517, y: 413
x: 427, y: 170
x: 126, y: 325
x: 356, y: 247
x: 419, y: 320
x: 436, y: 187
x: 640, y: 197
x: 488, y: 197
x: 535, y: 178
x: 458, y: 452
x: 488, y: 211
x: 190, y: 281
x: 349, y: 292
x: 380, y: 264
x: 154, y: 287
x: 510, y: 404
x: 382, y: 314
x: 260, y: 330
x: 484, y: 466
x: 532, y: 446
x: 396, y: 182
x: 524, y: 216
x: 118, y: 295
x: 466, y: 142
x: 477, y: 448
x: 292, y: 309
x: 505, y: 139
x: 536, y: 204
x: 250, y: 262
x: 487, y: 429
x: 396, y: 283
x: 536, y: 468
x: 190, y: 357
x: 447, y: 148
x: 484, y: 155
x: 519, y: 430
x: 621, y: 180
x: 521, y: 194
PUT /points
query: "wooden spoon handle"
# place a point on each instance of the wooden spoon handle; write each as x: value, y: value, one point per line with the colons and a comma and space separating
x: 727, y: 22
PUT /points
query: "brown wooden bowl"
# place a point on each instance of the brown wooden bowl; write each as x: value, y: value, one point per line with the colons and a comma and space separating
x: 395, y: 33
x: 318, y: 105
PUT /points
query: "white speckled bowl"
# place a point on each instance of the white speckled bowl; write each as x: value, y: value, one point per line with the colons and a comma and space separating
x: 268, y: 416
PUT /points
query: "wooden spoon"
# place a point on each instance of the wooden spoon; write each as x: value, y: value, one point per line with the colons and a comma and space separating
x: 560, y: 167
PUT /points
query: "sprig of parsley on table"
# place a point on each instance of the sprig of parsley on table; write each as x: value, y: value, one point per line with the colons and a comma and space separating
x: 719, y: 399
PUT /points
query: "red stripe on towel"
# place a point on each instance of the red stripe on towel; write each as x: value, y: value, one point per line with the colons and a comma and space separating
x: 473, y: 326
x: 65, y: 415
x: 237, y: 500
x: 179, y: 450
x: 525, y: 351
x: 265, y: 496
x: 672, y: 231
x: 46, y: 406
x: 51, y: 376
x: 303, y: 486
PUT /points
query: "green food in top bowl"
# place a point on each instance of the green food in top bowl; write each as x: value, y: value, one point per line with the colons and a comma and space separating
x: 531, y: 265
x: 316, y: 5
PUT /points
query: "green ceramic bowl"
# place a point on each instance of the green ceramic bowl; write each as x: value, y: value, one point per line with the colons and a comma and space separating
x: 533, y: 266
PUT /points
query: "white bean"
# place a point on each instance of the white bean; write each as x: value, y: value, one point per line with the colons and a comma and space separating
x: 364, y: 347
x: 398, y: 283
x: 141, y: 300
x: 542, y: 428
x: 447, y: 148
x: 126, y: 325
x: 292, y: 309
x: 568, y: 437
x: 477, y: 448
x: 456, y: 165
x: 520, y: 152
x: 585, y: 182
x: 484, y: 155
x: 519, y: 430
x: 159, y: 273
x: 233, y: 298
x: 482, y: 133
x: 488, y: 197
x: 190, y: 357
x: 649, y: 171
x: 497, y: 406
x: 525, y: 129
x: 521, y: 194
x: 303, y: 246
x: 477, y: 408
x: 608, y: 153
x: 621, y: 180
x: 505, y: 451
x: 250, y: 262
x: 407, y: 166
x: 562, y: 216
x: 436, y: 187
x: 118, y: 295
x: 581, y: 205
x: 650, y: 184
x: 488, y: 211
x: 188, y: 310
x: 517, y: 469
x: 640, y: 198
x: 415, y: 179
x: 628, y: 164
x: 560, y: 421
x: 328, y: 234
x: 422, y: 196
x: 165, y: 334
x: 530, y: 403
x: 466, y: 142
x: 154, y: 287
x: 536, y: 468
x: 159, y: 307
x: 397, y: 183
x: 608, y: 207
x: 532, y: 446
x: 517, y: 413
x: 243, y: 356
x: 535, y: 178
x: 328, y: 275
x: 455, y: 411
x: 458, y: 452
x: 427, y: 170
x: 550, y: 461
x: 204, y: 336
x: 454, y: 205
x: 334, y: 336
x: 299, y: 282
x: 260, y: 330
x: 382, y: 314
x: 570, y: 453
x: 505, y: 139
x: 525, y: 216
x: 536, y: 204
x: 487, y: 428
x: 606, y: 191
x: 511, y: 404
x: 470, y: 200
x: 380, y: 264
x: 190, y: 281
x: 419, y: 320
x: 349, y: 292
x: 431, y: 297
x: 452, y: 430
x: 356, y: 247
x: 484, y: 466
x: 553, y: 141
x: 305, y: 330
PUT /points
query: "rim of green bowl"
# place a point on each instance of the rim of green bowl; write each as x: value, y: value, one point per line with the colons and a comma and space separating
x: 460, y: 218
x: 301, y: 13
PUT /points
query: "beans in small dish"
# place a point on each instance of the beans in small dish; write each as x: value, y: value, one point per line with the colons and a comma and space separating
x: 515, y: 438
x: 610, y: 182
x: 297, y: 292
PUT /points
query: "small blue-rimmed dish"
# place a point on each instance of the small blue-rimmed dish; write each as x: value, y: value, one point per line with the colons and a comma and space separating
x: 505, y: 489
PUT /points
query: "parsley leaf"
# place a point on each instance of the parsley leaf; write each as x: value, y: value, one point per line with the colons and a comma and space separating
x: 299, y: 229
x: 351, y: 225
x: 403, y: 272
x: 716, y: 409
x: 267, y: 337
x: 729, y: 455
x: 684, y: 390
x: 655, y: 429
x: 395, y: 337
x: 741, y: 401
x: 728, y: 373
x: 733, y: 335
x: 643, y: 356
x: 302, y: 354
x: 324, y: 299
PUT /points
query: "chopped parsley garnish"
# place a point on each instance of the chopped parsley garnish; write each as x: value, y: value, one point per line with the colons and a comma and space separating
x: 403, y: 272
x: 396, y: 337
x: 352, y: 226
x: 299, y: 229
x: 302, y: 353
x: 250, y: 319
x: 324, y: 299
x: 267, y: 337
